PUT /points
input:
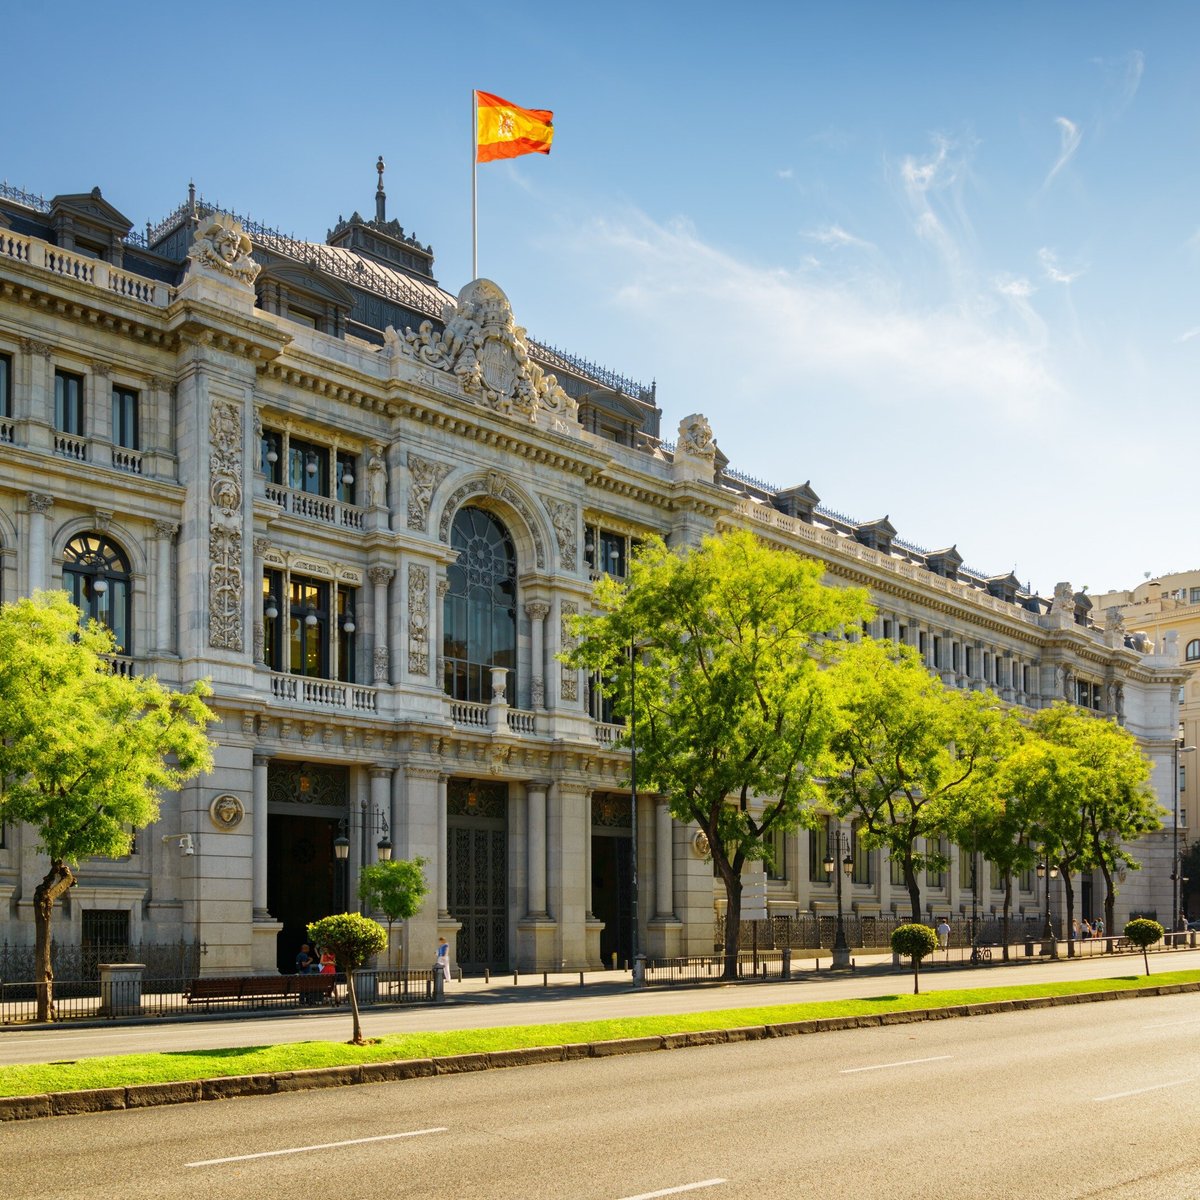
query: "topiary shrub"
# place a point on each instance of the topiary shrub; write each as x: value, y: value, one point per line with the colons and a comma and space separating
x: 1143, y: 932
x: 353, y: 939
x: 916, y: 941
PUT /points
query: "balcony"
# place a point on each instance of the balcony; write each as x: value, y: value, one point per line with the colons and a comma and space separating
x: 328, y: 695
x: 71, y: 265
x: 316, y: 508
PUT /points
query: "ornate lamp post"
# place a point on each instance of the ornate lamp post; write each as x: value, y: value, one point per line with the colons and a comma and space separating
x: 1044, y: 869
x: 839, y: 845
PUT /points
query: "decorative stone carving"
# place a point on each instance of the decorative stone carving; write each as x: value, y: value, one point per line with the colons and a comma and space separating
x: 225, y: 534
x: 418, y: 620
x: 569, y: 687
x: 505, y: 492
x: 426, y: 475
x: 377, y: 478
x: 483, y: 347
x: 696, y: 438
x: 381, y: 664
x: 227, y: 812
x: 165, y: 530
x: 39, y: 502
x: 260, y: 654
x: 380, y: 576
x: 222, y: 247
x: 563, y: 516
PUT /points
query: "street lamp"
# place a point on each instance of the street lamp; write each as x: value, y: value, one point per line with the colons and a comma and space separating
x: 838, y: 845
x: 1175, y: 913
x: 1044, y: 869
x: 341, y: 849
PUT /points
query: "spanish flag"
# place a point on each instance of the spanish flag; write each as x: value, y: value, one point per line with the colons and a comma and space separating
x: 505, y: 131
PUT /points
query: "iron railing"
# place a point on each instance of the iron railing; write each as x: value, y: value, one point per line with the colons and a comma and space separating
x: 79, y: 964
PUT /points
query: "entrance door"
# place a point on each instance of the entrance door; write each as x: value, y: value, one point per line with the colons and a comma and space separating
x: 477, y: 879
x: 302, y: 882
x: 612, y: 874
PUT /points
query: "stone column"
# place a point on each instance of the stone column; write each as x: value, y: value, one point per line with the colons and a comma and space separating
x: 568, y: 828
x: 260, y: 837
x: 97, y: 413
x: 443, y: 837
x: 39, y: 576
x: 254, y: 594
x: 536, y: 824
x: 664, y: 895
x: 418, y: 825
x: 164, y: 633
x: 380, y: 577
x: 537, y: 611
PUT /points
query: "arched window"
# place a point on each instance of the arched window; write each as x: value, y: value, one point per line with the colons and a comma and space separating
x: 96, y: 577
x: 480, y: 608
x: 1192, y: 652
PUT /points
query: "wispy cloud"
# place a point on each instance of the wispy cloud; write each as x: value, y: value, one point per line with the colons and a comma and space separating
x: 1052, y: 270
x: 1018, y: 291
x: 1070, y: 135
x: 835, y: 235
x: 1124, y: 77
x: 1189, y: 335
x: 933, y: 188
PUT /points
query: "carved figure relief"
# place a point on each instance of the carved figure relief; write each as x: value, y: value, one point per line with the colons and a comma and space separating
x: 226, y: 812
x: 696, y: 438
x: 222, y: 246
x: 418, y: 620
x: 377, y: 478
x: 569, y: 687
x: 488, y: 353
x: 225, y: 532
x: 426, y: 475
x: 563, y: 518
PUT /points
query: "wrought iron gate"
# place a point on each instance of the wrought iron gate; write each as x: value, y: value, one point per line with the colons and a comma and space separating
x: 478, y: 871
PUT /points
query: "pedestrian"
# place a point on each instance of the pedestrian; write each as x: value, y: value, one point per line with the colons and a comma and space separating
x: 328, y: 962
x: 943, y: 934
x: 1098, y: 928
x: 1086, y: 929
x: 443, y: 958
x: 304, y: 960
x: 1183, y: 922
x: 1074, y: 931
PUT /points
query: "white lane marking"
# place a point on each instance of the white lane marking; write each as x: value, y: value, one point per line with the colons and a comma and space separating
x: 1157, y: 1087
x: 683, y: 1187
x: 384, y: 1137
x: 908, y: 1062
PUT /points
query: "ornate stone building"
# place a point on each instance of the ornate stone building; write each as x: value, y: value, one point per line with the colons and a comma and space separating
x: 367, y: 509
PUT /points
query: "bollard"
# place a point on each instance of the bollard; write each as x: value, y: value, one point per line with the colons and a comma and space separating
x: 439, y: 982
x: 581, y: 979
x: 487, y: 974
x: 514, y: 979
x: 545, y: 979
x: 785, y: 969
x: 639, y: 971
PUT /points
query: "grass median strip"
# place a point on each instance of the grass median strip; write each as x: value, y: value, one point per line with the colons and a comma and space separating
x: 126, y: 1070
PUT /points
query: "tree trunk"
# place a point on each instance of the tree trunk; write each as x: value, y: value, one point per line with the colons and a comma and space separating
x: 357, y: 1040
x: 1109, y: 901
x: 1004, y: 918
x: 1146, y: 958
x: 916, y: 975
x: 56, y: 882
x: 1069, y: 926
x: 733, y: 924
x: 910, y: 882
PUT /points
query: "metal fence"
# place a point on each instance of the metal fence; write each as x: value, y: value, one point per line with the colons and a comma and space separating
x: 813, y: 931
x: 125, y: 998
x: 163, y: 961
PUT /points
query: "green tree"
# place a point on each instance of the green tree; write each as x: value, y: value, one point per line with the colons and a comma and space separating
x: 1143, y: 932
x: 1101, y: 799
x: 84, y: 752
x: 908, y: 752
x: 729, y: 709
x: 354, y: 940
x: 918, y: 942
x: 395, y: 887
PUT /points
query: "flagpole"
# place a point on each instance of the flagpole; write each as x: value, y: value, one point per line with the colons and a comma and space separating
x: 474, y: 184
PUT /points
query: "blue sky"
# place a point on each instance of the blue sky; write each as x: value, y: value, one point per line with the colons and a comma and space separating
x: 938, y: 259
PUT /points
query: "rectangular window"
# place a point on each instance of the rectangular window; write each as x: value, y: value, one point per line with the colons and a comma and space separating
x: 5, y: 385
x: 937, y: 652
x: 308, y: 468
x: 612, y: 554
x: 861, y: 855
x: 1195, y: 596
x: 965, y: 858
x: 125, y: 418
x: 935, y: 877
x: 969, y: 661
x: 776, y: 864
x: 887, y: 629
x: 308, y: 624
x: 272, y: 599
x: 347, y: 477
x: 818, y: 851
x: 896, y: 865
x: 1025, y: 880
x: 955, y: 657
x: 269, y: 451
x: 68, y: 403
x: 347, y: 627
x: 923, y: 642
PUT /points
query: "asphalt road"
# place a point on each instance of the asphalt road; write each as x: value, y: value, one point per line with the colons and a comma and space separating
x: 471, y: 1005
x: 1080, y: 1101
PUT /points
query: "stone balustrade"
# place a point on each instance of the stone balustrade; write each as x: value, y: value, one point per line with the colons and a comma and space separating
x: 71, y: 264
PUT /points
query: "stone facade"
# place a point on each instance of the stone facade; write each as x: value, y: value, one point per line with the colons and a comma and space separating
x: 366, y: 509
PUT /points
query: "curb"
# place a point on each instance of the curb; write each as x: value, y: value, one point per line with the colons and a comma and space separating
x: 147, y: 1095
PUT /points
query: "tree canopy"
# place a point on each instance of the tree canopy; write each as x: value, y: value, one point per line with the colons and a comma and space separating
x: 84, y: 752
x: 908, y: 754
x: 714, y: 656
x: 353, y: 939
x: 395, y: 887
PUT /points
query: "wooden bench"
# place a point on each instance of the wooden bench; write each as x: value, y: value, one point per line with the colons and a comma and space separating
x: 310, y: 989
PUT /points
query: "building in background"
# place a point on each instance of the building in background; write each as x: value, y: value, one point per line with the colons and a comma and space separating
x: 1165, y: 610
x: 367, y: 509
